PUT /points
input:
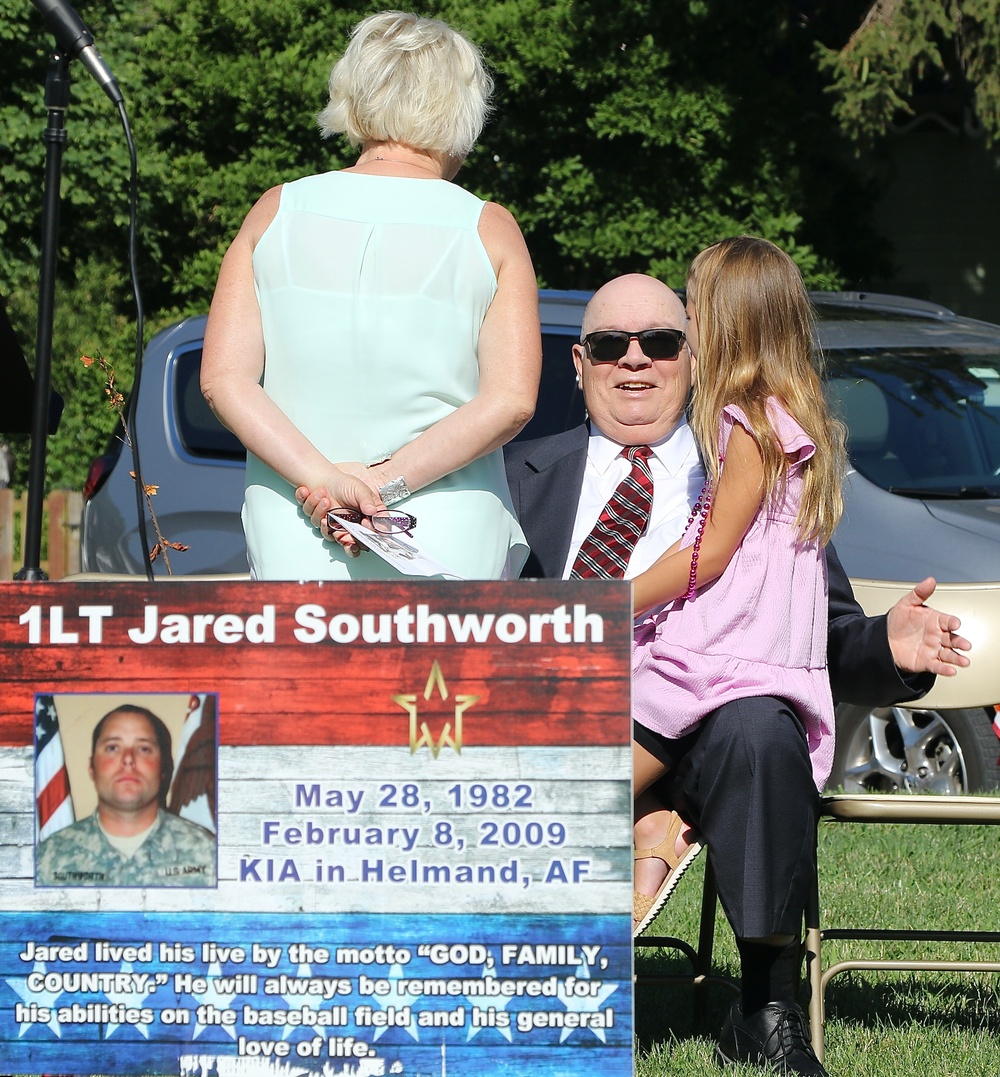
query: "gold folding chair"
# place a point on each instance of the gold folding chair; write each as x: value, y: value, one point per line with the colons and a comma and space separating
x: 890, y: 808
x: 978, y: 606
x: 700, y: 957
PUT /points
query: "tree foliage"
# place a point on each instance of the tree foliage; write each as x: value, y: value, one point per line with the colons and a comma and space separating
x: 630, y: 135
x: 901, y: 42
x: 626, y: 137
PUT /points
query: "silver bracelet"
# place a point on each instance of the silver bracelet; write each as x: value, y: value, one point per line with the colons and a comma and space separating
x: 393, y: 491
x: 382, y: 458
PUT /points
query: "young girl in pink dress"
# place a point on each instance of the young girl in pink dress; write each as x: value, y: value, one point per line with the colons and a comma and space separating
x: 738, y: 607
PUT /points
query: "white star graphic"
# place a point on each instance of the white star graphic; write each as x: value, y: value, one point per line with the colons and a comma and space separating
x: 45, y: 999
x: 483, y: 1003
x: 589, y: 1004
x: 214, y: 996
x: 299, y: 1002
x: 129, y: 999
x: 395, y: 975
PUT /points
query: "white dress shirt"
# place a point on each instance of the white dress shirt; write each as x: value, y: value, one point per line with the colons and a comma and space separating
x: 678, y: 476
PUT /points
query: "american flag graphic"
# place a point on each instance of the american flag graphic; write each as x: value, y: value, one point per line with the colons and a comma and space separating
x: 52, y: 795
x: 192, y: 791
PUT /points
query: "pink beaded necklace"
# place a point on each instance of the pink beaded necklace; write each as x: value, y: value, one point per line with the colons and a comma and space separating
x: 702, y: 507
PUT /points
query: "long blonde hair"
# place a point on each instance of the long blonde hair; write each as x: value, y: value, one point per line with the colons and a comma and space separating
x: 755, y: 340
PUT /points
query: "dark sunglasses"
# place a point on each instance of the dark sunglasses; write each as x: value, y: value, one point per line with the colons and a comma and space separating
x: 390, y: 522
x: 610, y: 345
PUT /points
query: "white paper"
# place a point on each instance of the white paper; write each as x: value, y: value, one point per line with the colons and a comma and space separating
x: 399, y: 550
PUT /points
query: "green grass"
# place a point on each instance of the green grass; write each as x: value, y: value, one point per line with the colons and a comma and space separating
x: 885, y: 1024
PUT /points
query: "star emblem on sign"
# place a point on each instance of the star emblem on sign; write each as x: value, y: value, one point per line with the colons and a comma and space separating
x: 420, y: 734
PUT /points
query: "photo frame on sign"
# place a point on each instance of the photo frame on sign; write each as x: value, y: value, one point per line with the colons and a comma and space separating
x: 126, y: 789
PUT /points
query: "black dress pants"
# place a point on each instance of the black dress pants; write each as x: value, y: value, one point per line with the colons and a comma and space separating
x: 744, y: 779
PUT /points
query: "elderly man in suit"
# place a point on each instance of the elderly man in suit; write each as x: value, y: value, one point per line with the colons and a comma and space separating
x: 743, y: 778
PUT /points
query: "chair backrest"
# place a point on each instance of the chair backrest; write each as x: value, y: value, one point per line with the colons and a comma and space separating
x: 862, y: 405
x: 977, y: 605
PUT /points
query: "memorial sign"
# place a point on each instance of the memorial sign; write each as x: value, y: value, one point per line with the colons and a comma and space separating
x: 390, y: 828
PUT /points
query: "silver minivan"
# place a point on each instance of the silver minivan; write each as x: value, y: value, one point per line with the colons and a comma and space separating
x: 918, y: 386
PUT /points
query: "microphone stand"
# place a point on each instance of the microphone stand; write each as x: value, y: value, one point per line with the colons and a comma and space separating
x: 57, y: 83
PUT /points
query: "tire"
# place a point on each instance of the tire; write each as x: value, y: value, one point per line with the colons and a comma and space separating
x: 895, y: 749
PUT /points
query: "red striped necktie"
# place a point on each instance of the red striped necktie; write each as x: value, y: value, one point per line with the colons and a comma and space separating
x: 606, y: 550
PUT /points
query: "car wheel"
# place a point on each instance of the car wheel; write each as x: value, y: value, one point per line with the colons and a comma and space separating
x: 894, y: 749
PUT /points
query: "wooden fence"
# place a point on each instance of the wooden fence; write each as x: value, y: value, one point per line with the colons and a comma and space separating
x: 60, y: 534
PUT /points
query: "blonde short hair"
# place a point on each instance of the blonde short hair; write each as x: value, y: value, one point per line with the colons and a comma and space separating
x: 410, y: 80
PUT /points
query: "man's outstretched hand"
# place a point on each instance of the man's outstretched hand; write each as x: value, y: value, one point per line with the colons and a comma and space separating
x: 921, y: 639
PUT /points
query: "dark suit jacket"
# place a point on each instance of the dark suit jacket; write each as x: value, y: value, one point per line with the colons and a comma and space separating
x: 545, y: 478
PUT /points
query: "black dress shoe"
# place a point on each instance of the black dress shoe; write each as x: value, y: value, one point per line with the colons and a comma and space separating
x: 774, y: 1037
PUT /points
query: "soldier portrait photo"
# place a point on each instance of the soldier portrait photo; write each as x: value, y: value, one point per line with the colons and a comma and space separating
x: 121, y: 800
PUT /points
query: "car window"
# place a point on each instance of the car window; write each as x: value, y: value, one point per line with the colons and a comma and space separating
x: 560, y: 402
x: 199, y: 431
x: 922, y: 422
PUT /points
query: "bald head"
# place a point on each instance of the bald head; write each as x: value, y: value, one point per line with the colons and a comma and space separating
x: 636, y: 400
x: 636, y: 296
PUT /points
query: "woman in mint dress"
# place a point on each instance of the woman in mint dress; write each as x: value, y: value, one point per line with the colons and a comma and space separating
x: 374, y: 335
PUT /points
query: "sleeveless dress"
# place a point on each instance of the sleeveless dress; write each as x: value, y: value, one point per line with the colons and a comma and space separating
x: 372, y: 292
x: 758, y: 630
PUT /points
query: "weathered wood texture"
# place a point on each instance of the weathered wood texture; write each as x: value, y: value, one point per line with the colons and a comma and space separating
x: 553, y: 690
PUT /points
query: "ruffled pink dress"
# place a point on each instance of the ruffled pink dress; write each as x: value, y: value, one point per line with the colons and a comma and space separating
x: 757, y: 630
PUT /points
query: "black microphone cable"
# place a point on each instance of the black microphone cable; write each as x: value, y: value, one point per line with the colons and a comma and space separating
x: 133, y: 398
x: 75, y: 39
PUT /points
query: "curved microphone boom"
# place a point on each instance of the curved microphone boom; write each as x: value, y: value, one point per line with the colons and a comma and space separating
x: 74, y: 38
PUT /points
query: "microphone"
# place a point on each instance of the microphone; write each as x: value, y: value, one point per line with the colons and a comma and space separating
x: 74, y: 38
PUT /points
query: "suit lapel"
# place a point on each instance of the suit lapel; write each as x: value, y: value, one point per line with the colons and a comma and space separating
x: 546, y: 477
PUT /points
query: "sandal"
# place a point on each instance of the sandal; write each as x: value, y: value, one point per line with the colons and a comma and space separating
x: 646, y: 908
